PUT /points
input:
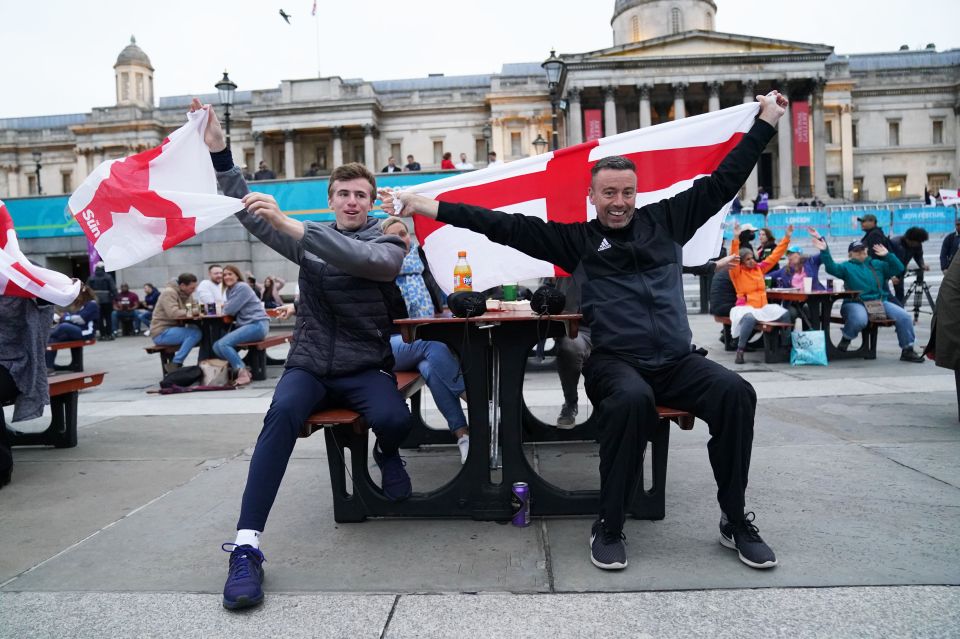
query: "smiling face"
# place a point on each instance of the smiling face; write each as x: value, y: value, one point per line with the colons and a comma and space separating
x: 229, y: 279
x: 763, y: 237
x: 795, y: 260
x: 614, y: 194
x: 351, y: 201
x: 216, y: 274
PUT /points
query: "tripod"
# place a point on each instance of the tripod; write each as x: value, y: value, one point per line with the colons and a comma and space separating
x: 918, y: 288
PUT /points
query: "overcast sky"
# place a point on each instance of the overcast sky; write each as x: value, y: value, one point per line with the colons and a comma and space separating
x: 58, y: 55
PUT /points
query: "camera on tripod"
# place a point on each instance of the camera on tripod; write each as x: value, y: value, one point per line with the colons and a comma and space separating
x: 916, y: 272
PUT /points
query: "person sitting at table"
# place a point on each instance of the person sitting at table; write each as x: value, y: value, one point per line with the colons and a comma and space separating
x: 434, y: 360
x: 210, y: 290
x: 766, y: 243
x: 340, y: 354
x: 149, y: 301
x: 250, y: 322
x: 79, y: 321
x: 869, y: 276
x: 271, y: 291
x: 166, y: 326
x: 642, y: 354
x: 752, y: 306
x: 125, y: 308
x: 798, y: 267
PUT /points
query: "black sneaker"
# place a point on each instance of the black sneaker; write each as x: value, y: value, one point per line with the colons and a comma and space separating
x: 607, y: 549
x: 910, y: 355
x: 843, y: 344
x: 395, y: 482
x: 242, y: 589
x: 744, y: 537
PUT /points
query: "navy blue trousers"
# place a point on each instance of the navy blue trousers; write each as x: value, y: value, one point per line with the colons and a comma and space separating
x: 300, y: 393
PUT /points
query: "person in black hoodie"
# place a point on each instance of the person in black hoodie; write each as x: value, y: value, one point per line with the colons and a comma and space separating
x: 106, y: 291
x: 627, y: 264
x: 873, y: 234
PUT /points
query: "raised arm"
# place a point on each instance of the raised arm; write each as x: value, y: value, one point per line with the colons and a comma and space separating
x: 558, y: 244
x: 686, y: 212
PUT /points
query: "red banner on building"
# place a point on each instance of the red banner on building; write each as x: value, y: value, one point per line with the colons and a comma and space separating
x: 801, y: 133
x: 592, y: 124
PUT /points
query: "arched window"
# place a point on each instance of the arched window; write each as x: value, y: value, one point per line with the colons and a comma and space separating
x: 709, y: 21
x: 635, y: 28
x: 676, y: 20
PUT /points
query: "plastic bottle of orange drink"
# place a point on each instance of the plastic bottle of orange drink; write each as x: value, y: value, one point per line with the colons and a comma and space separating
x: 462, y: 274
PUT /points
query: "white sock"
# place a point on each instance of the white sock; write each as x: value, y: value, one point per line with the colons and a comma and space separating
x: 247, y: 537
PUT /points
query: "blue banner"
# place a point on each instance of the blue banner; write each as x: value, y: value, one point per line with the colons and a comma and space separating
x: 935, y: 219
x: 845, y: 224
x: 305, y: 198
x: 778, y: 222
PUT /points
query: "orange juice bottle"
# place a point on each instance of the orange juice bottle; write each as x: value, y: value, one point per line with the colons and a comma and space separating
x: 462, y: 274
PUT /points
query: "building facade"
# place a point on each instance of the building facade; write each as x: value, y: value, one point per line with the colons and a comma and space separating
x: 876, y: 127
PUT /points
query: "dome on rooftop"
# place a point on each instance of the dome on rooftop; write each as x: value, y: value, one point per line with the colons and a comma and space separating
x: 132, y: 54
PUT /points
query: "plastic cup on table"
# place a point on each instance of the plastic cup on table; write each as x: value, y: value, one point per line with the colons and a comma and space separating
x: 768, y: 282
x: 510, y: 292
x: 838, y: 286
x: 807, y: 284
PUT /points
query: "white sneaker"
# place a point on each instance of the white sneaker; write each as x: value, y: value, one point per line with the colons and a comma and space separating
x: 464, y: 445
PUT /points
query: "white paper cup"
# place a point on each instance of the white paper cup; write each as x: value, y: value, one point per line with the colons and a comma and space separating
x: 807, y: 284
x: 838, y: 286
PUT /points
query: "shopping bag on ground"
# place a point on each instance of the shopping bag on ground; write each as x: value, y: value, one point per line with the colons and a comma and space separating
x: 809, y: 348
x: 216, y: 372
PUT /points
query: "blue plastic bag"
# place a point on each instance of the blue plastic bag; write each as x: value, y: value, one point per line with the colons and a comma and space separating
x: 809, y: 348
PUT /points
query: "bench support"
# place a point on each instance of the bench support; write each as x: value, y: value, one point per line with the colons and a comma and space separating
x: 76, y: 361
x: 62, y: 432
x: 256, y: 360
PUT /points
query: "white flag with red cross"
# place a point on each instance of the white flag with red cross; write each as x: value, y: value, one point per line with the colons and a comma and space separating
x: 136, y: 207
x: 20, y: 278
x: 950, y: 196
x: 553, y: 186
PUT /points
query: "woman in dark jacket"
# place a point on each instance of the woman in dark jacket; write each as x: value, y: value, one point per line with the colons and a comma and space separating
x: 944, y: 346
x: 79, y: 321
x: 766, y: 242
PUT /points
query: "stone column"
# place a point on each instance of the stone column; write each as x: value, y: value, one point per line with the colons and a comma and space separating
x: 575, y: 121
x: 713, y: 103
x: 337, y: 133
x: 610, y: 112
x: 751, y: 185
x: 846, y: 150
x: 785, y: 152
x: 679, y: 108
x: 13, y: 181
x: 289, y: 162
x: 368, y: 151
x: 644, y: 91
x: 819, y: 142
x: 81, y: 166
x: 257, y: 152
x: 956, y: 128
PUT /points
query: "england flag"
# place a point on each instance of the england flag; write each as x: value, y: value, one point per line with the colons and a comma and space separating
x: 553, y: 186
x: 20, y: 278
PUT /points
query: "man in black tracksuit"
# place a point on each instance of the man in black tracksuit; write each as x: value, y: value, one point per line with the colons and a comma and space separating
x: 627, y: 263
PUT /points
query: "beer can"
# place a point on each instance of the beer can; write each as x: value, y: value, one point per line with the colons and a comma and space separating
x: 520, y: 501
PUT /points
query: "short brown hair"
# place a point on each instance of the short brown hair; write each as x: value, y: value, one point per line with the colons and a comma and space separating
x: 390, y: 221
x: 352, y: 171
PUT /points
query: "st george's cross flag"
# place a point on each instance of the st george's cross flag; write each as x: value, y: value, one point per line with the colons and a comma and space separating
x: 136, y: 207
x: 553, y: 186
x: 950, y: 196
x: 20, y: 278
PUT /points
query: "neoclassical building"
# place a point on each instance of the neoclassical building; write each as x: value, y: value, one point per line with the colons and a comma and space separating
x: 866, y: 126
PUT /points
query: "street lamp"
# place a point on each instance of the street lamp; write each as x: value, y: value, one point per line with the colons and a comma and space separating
x: 226, y: 88
x: 487, y: 135
x: 540, y: 144
x: 554, y: 68
x: 36, y: 158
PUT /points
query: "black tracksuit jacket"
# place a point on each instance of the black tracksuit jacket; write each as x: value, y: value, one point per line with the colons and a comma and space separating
x: 632, y: 290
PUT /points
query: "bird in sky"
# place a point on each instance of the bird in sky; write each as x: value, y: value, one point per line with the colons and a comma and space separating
x: 286, y: 16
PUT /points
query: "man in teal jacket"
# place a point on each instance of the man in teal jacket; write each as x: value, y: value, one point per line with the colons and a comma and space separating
x: 869, y: 276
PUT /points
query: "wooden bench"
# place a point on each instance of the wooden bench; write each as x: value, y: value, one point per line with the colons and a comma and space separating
x: 256, y: 357
x: 868, y: 345
x: 76, y: 353
x: 776, y: 350
x: 345, y: 429
x: 64, y: 394
x: 166, y: 355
